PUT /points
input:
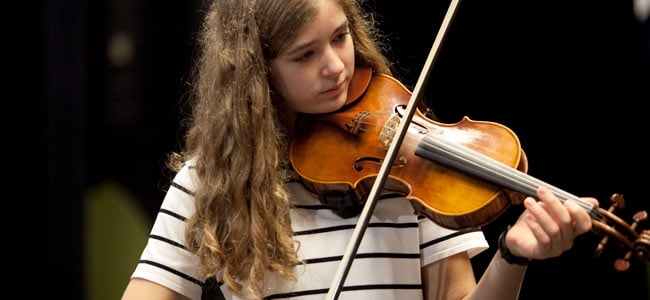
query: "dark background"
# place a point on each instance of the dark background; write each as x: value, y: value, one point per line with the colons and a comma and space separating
x: 570, y: 78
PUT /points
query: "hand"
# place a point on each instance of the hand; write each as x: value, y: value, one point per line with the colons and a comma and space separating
x: 547, y: 227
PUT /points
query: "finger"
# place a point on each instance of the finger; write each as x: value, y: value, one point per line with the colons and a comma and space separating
x: 582, y: 220
x: 554, y: 207
x: 591, y: 200
x: 555, y: 220
x: 565, y: 219
x: 538, y: 221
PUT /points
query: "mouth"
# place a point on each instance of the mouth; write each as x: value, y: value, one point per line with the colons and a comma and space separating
x: 338, y: 88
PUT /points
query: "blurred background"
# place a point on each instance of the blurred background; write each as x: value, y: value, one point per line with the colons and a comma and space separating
x: 570, y: 78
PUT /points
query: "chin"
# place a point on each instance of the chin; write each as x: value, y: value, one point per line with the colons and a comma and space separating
x: 339, y: 104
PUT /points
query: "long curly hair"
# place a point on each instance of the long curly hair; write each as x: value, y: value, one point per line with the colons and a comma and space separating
x: 238, y: 140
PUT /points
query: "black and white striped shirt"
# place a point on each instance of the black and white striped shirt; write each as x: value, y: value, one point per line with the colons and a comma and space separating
x: 395, y: 246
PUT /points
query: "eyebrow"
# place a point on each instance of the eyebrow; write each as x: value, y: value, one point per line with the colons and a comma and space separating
x: 300, y: 47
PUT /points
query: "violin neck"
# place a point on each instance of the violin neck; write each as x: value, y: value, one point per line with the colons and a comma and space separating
x: 485, y: 168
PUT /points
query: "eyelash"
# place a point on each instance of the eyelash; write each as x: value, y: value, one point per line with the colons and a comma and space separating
x: 305, y: 56
x: 341, y: 36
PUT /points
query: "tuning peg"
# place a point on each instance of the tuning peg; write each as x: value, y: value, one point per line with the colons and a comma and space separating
x: 622, y: 264
x: 642, y: 245
x: 617, y: 202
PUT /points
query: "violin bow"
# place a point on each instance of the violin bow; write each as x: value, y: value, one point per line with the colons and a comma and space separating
x: 380, y: 181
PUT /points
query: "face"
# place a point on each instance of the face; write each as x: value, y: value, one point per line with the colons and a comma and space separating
x: 313, y: 74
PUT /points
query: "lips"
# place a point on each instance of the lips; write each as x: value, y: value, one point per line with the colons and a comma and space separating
x: 337, y: 88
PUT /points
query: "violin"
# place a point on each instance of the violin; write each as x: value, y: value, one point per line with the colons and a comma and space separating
x: 458, y: 175
x: 352, y: 143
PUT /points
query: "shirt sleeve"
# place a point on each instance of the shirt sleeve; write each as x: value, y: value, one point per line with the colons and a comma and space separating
x: 439, y: 242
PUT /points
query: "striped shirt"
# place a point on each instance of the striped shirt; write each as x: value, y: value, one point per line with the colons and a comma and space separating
x: 395, y: 246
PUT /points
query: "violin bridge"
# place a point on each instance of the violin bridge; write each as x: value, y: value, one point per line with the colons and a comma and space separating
x: 388, y: 131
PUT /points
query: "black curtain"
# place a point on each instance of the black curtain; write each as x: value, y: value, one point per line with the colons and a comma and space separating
x: 568, y: 78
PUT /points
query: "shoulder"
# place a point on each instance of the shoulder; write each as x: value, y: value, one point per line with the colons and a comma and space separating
x: 165, y: 263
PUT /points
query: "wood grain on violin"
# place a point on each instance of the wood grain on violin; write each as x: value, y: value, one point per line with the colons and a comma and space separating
x: 342, y: 152
x: 458, y: 175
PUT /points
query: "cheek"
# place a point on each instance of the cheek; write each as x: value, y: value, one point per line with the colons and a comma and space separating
x: 350, y: 57
x: 297, y: 101
x: 347, y: 55
x: 295, y: 95
x: 298, y: 89
x: 283, y: 87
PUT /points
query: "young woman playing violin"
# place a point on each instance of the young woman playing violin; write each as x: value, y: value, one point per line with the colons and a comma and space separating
x: 236, y: 219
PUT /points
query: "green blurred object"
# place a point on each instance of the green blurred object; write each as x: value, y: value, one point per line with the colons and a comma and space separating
x: 116, y: 231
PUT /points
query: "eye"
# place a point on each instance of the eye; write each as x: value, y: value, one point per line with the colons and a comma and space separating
x: 305, y: 56
x: 341, y: 37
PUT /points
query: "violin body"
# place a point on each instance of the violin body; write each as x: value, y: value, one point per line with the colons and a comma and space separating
x: 458, y: 175
x: 342, y: 153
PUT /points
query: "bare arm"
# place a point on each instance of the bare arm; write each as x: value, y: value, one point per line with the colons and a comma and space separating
x: 448, y: 279
x: 501, y: 280
x: 453, y: 278
x: 546, y: 229
x: 141, y: 289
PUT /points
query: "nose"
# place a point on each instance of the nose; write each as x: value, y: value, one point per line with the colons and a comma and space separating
x: 333, y: 65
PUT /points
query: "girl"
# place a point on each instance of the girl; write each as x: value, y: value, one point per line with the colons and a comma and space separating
x: 237, y: 223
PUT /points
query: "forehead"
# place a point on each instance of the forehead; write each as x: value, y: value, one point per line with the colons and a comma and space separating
x: 328, y: 15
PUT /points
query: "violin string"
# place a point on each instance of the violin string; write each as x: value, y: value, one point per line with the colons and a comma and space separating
x: 487, y: 168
